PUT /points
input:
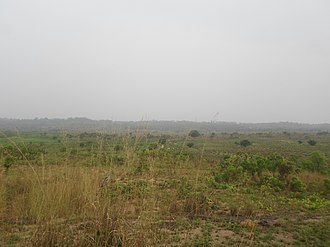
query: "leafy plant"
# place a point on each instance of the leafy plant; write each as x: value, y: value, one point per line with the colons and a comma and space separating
x: 185, y: 188
x: 296, y: 185
x: 316, y: 162
x: 285, y: 168
x: 274, y: 183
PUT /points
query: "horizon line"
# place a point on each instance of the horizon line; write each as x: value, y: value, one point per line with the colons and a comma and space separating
x: 162, y: 120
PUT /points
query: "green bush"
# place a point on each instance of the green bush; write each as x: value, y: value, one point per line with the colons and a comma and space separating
x: 194, y: 133
x: 245, y: 143
x: 326, y: 183
x: 314, y: 202
x: 316, y: 162
x: 190, y: 144
x: 274, y: 183
x: 8, y: 162
x: 162, y: 141
x: 231, y: 174
x: 185, y: 188
x: 296, y: 185
x: 311, y: 142
x: 285, y: 168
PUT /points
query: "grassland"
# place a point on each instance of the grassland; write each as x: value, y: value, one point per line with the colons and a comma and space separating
x: 142, y: 189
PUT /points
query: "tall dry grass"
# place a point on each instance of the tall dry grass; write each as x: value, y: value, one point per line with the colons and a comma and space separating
x: 71, y: 207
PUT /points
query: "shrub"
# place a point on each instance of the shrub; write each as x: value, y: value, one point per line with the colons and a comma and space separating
x: 245, y: 143
x: 285, y: 169
x: 273, y: 163
x: 318, y: 161
x: 194, y: 133
x: 231, y: 174
x: 326, y: 183
x: 8, y: 162
x: 274, y: 183
x: 162, y: 141
x: 296, y: 185
x: 314, y: 202
x: 185, y: 188
x: 255, y: 165
x: 311, y: 142
x: 190, y: 144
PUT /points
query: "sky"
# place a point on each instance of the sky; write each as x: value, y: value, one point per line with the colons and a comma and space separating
x: 197, y: 60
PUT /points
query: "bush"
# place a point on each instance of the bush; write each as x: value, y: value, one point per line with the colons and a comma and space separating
x: 285, y: 169
x: 185, y: 188
x: 162, y: 141
x: 245, y: 143
x: 8, y: 162
x: 190, y: 144
x: 231, y: 174
x: 274, y: 183
x: 316, y: 162
x: 311, y: 142
x: 296, y: 185
x: 194, y: 133
x: 326, y: 183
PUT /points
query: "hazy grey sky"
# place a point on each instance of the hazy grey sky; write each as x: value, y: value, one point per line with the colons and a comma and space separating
x: 248, y: 60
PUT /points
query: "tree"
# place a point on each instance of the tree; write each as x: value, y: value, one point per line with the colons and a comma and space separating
x: 194, y: 133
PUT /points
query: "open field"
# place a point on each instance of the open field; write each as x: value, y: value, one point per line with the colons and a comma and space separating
x: 152, y: 189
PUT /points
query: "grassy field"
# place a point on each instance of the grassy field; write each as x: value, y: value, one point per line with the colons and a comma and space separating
x: 148, y: 189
